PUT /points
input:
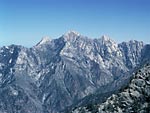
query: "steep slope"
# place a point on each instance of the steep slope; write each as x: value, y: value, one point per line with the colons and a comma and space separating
x: 17, y: 93
x: 146, y: 54
x: 131, y: 52
x: 135, y: 98
x: 55, y: 74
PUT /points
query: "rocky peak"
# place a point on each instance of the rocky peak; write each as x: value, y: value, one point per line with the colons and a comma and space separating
x: 105, y: 37
x: 132, y: 43
x: 107, y: 45
x: 108, y: 42
x: 71, y: 35
x: 44, y: 40
x: 135, y: 41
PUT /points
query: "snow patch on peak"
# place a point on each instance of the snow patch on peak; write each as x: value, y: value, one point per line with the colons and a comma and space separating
x: 44, y: 40
x: 107, y: 40
x: 105, y: 37
x: 72, y: 33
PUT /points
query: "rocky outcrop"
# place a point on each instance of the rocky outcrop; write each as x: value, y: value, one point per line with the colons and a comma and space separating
x: 135, y: 98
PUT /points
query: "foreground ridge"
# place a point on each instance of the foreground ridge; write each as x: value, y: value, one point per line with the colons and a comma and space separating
x: 133, y: 99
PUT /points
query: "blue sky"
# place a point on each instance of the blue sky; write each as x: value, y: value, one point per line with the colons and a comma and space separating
x: 25, y: 22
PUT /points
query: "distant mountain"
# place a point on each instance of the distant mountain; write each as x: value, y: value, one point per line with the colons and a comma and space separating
x: 135, y: 98
x: 58, y: 73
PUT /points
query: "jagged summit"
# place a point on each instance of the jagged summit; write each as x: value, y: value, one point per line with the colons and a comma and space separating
x: 135, y: 41
x: 105, y: 37
x: 44, y: 40
x: 71, y: 32
x: 106, y: 40
x: 71, y: 35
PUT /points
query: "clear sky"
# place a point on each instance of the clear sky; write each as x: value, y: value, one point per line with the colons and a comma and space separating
x: 25, y: 22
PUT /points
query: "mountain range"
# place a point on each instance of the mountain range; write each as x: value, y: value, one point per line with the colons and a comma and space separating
x: 57, y: 74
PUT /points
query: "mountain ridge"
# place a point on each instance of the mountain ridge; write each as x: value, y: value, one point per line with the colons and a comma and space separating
x: 60, y: 72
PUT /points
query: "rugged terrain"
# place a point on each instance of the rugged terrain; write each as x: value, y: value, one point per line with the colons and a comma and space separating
x: 57, y: 73
x: 135, y: 98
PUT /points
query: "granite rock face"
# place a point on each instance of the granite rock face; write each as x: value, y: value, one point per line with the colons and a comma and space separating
x: 57, y: 73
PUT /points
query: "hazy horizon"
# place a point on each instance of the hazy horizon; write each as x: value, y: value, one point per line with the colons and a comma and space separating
x: 26, y: 22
